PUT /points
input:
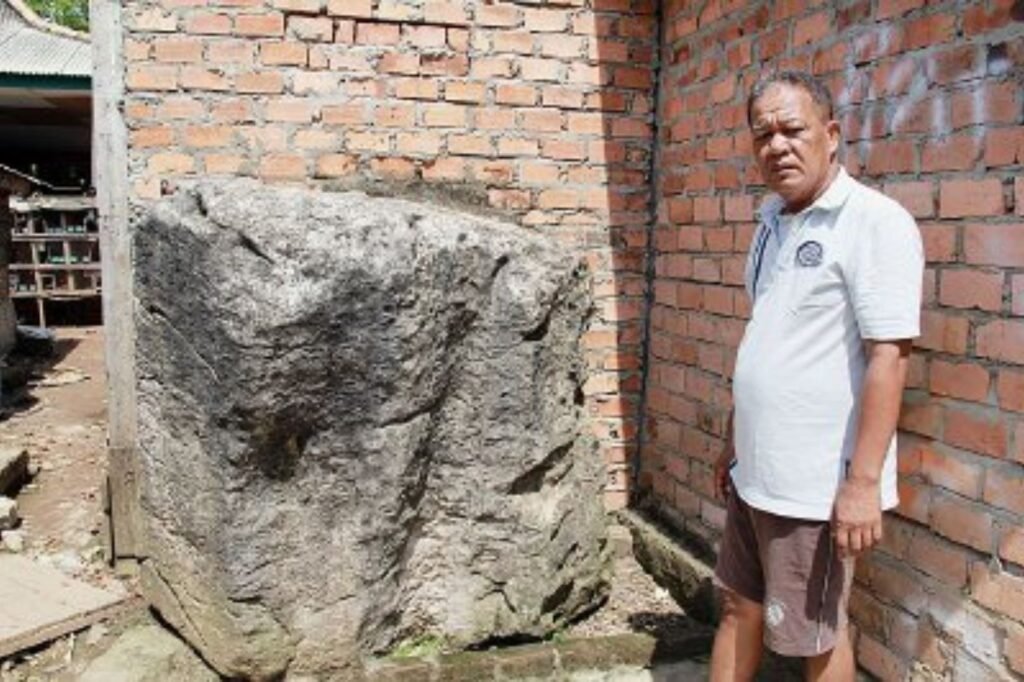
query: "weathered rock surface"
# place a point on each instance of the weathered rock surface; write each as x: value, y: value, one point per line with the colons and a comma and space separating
x: 8, y: 513
x: 148, y: 654
x: 13, y: 468
x: 360, y: 422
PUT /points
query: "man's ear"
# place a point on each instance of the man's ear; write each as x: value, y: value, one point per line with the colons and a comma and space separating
x: 833, y: 132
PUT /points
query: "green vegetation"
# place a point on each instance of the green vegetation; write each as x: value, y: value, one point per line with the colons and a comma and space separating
x: 420, y: 647
x: 71, y: 13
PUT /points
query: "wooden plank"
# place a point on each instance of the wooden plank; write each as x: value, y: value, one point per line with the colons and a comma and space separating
x: 39, y: 603
x: 110, y: 175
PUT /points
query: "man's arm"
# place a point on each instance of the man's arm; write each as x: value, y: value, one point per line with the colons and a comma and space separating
x: 723, y: 467
x: 858, y: 514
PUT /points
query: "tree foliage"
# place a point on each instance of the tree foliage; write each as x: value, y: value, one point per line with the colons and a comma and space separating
x: 71, y: 13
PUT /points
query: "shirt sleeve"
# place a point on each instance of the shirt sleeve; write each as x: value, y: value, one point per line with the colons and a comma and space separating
x: 885, y: 275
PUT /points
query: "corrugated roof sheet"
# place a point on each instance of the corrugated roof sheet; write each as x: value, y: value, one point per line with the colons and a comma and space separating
x: 31, y: 47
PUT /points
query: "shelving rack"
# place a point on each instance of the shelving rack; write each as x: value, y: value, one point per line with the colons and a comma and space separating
x: 55, y: 250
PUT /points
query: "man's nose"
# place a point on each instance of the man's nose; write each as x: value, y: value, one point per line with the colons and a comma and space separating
x: 777, y: 144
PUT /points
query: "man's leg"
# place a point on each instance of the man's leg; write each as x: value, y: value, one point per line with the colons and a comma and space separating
x: 836, y: 665
x: 738, y: 642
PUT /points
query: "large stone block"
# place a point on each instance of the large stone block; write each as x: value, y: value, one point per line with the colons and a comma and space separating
x: 360, y: 422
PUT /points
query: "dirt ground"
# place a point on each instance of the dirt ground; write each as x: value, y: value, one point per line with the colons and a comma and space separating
x: 60, y: 418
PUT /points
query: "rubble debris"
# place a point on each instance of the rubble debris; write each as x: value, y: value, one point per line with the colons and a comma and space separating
x: 14, y: 468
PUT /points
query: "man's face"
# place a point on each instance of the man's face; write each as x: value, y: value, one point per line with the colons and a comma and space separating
x: 793, y: 144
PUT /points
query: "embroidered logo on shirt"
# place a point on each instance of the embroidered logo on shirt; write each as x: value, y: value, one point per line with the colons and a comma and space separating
x: 774, y: 613
x: 810, y: 254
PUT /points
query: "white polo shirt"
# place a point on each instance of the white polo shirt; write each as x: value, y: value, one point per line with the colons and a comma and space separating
x: 845, y: 269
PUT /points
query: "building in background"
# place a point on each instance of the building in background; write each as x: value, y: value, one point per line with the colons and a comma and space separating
x: 50, y: 267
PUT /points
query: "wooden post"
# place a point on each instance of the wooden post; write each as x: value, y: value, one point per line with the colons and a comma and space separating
x: 110, y: 175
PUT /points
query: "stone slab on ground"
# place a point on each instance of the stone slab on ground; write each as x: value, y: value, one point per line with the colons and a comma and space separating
x: 39, y: 604
x: 148, y: 653
x: 8, y: 513
x: 689, y: 580
x: 552, y: 660
x: 13, y: 468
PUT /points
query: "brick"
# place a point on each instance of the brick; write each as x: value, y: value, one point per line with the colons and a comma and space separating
x: 231, y: 52
x: 995, y: 244
x: 345, y: 31
x: 455, y: 91
x: 1004, y: 488
x: 344, y: 114
x: 929, y: 30
x: 976, y: 431
x: 445, y: 116
x: 150, y: 77
x: 563, y: 149
x: 942, y: 332
x: 938, y: 559
x: 959, y: 380
x: 470, y: 145
x: 554, y: 20
x: 957, y: 474
x: 335, y: 165
x: 916, y: 197
x: 289, y: 110
x: 170, y: 163
x: 891, y: 157
x: 1005, y: 147
x: 299, y: 6
x: 204, y: 137
x: 208, y: 23
x: 497, y: 16
x: 395, y: 116
x: 522, y: 95
x: 180, y: 108
x: 1014, y: 648
x: 888, y: 9
x: 878, y: 660
x: 397, y: 168
x: 1011, y: 545
x: 377, y: 34
x: 283, y: 54
x: 960, y: 198
x: 1010, y: 390
x: 424, y: 36
x: 155, y: 136
x: 972, y: 289
x: 232, y: 111
x: 367, y: 141
x: 416, y: 88
x: 397, y: 10
x: 496, y: 119
x: 1001, y: 340
x: 958, y: 152
x: 152, y: 20
x: 962, y: 522
x: 939, y: 242
x: 359, y: 9
x: 537, y: 69
x: 394, y: 62
x: 255, y: 25
x: 986, y: 104
x: 311, y: 28
x: 998, y: 590
x: 811, y: 29
x: 223, y: 164
x: 517, y: 42
x: 268, y: 82
x: 438, y: 12
x: 315, y: 139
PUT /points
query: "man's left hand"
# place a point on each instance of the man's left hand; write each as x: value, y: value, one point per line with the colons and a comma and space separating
x: 857, y: 518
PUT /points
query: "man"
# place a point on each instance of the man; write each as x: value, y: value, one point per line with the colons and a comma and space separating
x: 834, y: 273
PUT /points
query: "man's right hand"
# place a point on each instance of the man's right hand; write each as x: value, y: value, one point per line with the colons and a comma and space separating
x: 723, y: 481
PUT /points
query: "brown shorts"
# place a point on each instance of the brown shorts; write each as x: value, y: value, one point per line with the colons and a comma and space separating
x: 789, y: 566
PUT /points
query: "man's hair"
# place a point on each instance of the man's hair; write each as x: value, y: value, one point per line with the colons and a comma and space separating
x: 820, y: 95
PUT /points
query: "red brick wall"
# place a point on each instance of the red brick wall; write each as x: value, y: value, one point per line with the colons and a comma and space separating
x: 540, y: 108
x: 930, y: 99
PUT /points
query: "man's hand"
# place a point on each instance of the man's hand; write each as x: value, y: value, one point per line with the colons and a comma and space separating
x: 857, y: 518
x: 723, y: 482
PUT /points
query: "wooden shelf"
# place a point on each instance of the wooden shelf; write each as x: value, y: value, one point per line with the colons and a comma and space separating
x: 58, y: 294
x: 55, y: 267
x: 51, y: 237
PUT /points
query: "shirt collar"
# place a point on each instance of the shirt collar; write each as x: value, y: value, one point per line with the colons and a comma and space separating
x: 832, y: 198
